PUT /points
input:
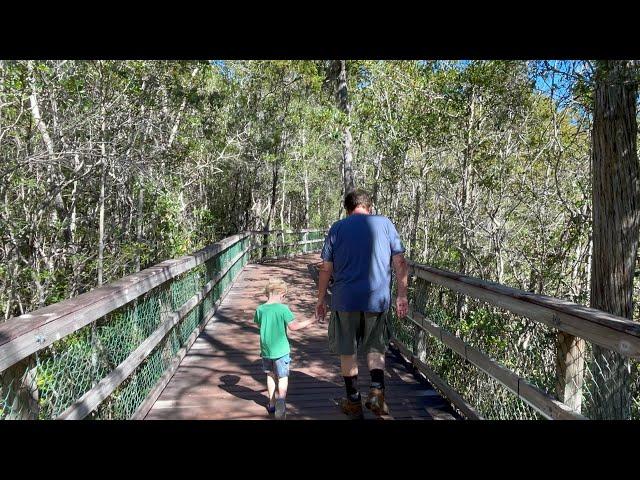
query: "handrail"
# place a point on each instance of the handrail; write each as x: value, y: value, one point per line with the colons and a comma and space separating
x: 616, y: 333
x: 91, y: 399
x: 572, y: 326
x: 542, y: 402
x: 24, y: 335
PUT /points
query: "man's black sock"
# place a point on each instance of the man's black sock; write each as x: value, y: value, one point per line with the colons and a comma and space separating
x: 377, y: 378
x: 351, y: 383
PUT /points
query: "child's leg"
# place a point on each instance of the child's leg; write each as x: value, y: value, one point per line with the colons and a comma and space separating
x: 282, y: 369
x: 271, y: 388
x: 283, y: 384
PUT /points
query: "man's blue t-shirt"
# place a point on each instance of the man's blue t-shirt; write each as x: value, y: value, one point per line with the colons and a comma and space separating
x: 360, y: 247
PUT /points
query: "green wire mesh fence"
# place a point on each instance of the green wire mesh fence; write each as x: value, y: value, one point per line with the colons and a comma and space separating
x: 54, y: 381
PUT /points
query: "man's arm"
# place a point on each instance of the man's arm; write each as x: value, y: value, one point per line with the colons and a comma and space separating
x: 402, y: 271
x: 326, y: 270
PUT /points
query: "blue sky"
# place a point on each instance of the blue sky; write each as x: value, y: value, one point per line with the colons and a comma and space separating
x: 559, y: 81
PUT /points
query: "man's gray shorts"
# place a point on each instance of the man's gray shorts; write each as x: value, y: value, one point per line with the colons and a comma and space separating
x: 351, y: 332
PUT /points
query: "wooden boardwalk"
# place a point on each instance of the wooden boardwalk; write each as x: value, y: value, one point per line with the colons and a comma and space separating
x: 221, y: 376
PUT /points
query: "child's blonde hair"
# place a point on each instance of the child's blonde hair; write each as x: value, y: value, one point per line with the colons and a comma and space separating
x: 275, y: 286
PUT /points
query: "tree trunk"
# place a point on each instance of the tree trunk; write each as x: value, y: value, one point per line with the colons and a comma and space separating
x: 425, y: 232
x: 272, y: 207
x: 414, y: 225
x: 306, y: 183
x: 59, y: 211
x: 616, y: 222
x: 284, y: 183
x: 306, y: 197
x: 176, y: 123
x: 461, y: 303
x: 103, y: 179
x: 139, y: 218
x: 376, y: 182
x: 340, y: 67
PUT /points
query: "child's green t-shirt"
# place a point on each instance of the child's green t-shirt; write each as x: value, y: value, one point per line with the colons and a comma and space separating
x: 272, y: 318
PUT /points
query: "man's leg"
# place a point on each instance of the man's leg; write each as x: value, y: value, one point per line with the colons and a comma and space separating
x: 349, y: 365
x: 375, y: 361
x: 349, y: 369
x: 346, y: 327
x: 375, y: 342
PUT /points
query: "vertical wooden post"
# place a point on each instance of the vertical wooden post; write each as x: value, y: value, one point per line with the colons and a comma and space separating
x: 570, y: 353
x: 19, y: 387
x: 420, y: 345
x: 304, y: 239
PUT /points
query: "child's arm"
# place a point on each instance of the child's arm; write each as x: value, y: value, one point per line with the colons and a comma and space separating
x: 298, y: 324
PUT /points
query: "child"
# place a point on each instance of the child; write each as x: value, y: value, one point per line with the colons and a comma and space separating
x: 273, y: 318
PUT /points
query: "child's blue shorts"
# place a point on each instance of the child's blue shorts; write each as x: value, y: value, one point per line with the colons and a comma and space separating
x: 278, y: 365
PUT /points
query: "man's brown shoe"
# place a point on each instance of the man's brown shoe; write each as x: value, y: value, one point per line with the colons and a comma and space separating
x: 376, y: 402
x: 352, y: 409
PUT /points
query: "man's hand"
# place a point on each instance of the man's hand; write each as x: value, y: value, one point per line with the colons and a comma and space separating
x: 402, y: 306
x: 321, y: 311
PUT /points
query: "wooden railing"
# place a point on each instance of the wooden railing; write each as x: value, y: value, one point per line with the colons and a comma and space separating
x: 24, y: 335
x: 572, y: 321
x: 151, y: 299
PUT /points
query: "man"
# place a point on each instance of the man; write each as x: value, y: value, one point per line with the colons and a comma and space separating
x: 359, y: 251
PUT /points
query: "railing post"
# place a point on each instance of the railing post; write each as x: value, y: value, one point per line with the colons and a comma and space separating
x: 252, y: 243
x: 420, y: 345
x: 19, y: 387
x: 305, y: 236
x: 570, y: 353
